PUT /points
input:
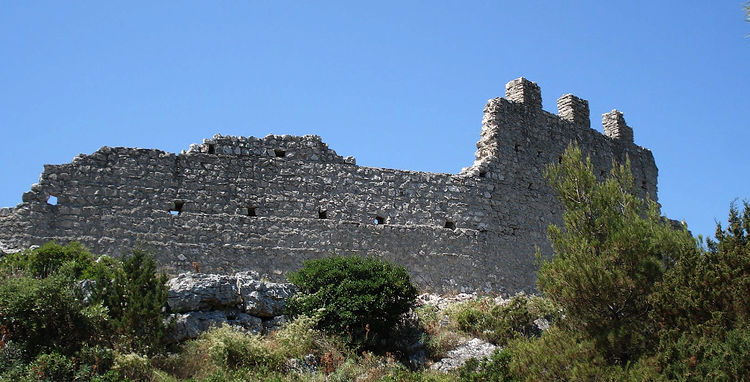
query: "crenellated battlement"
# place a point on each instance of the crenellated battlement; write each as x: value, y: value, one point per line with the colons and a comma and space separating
x: 524, y: 91
x: 237, y: 203
x: 616, y: 128
x: 569, y: 108
x: 518, y: 139
x: 575, y: 110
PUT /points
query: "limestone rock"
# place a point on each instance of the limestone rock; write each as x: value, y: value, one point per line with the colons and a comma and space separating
x: 457, y: 357
x: 263, y: 299
x: 6, y: 249
x: 192, y: 324
x: 197, y: 291
x: 274, y: 324
x: 87, y: 289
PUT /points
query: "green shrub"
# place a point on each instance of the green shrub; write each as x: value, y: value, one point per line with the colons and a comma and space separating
x: 298, y: 338
x: 50, y: 258
x: 702, y: 307
x: 403, y: 375
x: 233, y: 350
x: 495, y: 368
x: 707, y: 352
x: 45, y: 315
x: 132, y: 367
x: 361, y: 298
x: 438, y: 344
x: 51, y: 367
x: 135, y: 297
x: 500, y: 323
x: 558, y: 355
x: 93, y: 361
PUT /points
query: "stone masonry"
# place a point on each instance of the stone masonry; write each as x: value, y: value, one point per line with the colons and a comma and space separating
x: 267, y: 204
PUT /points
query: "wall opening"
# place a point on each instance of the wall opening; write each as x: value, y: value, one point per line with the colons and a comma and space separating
x: 252, y: 211
x: 602, y: 173
x: 52, y: 200
x: 379, y: 220
x: 177, y: 207
x: 322, y: 214
x: 279, y: 153
x: 559, y: 159
x: 538, y: 153
x: 516, y: 147
x: 211, y: 148
x: 643, y: 185
x: 450, y: 225
x: 482, y: 174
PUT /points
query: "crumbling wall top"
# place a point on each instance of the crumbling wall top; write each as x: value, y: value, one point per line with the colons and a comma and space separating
x: 308, y: 147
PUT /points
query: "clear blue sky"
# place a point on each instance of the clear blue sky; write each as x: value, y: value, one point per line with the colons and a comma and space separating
x: 395, y: 84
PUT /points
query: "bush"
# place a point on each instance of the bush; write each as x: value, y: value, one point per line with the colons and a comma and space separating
x: 93, y: 361
x: 298, y: 338
x: 135, y: 297
x: 233, y: 350
x: 361, y: 298
x: 702, y: 307
x: 45, y: 315
x: 51, y: 367
x: 132, y: 367
x: 495, y: 368
x: 500, y: 323
x: 707, y: 352
x: 558, y: 355
x: 50, y: 258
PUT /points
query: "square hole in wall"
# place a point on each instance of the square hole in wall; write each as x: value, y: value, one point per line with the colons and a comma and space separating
x: 252, y: 211
x: 52, y: 200
x: 322, y: 214
x: 450, y: 225
x: 279, y: 153
x: 177, y: 207
x: 516, y: 147
x: 379, y: 220
x: 482, y: 174
x: 211, y: 148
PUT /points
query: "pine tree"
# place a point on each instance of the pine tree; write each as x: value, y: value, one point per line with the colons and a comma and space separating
x: 136, y: 303
x: 611, y: 250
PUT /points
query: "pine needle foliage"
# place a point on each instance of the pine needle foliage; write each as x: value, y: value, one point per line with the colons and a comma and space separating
x: 610, y: 251
x: 702, y: 307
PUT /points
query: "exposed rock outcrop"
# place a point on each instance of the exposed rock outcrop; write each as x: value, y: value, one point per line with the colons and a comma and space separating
x: 457, y: 357
x: 243, y: 301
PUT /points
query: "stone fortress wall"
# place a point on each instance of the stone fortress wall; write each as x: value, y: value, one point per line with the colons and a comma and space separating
x: 266, y: 204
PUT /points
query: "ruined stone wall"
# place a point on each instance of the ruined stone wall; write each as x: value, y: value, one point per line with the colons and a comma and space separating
x: 267, y: 204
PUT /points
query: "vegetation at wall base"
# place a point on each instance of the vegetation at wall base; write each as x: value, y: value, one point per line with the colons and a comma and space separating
x: 54, y: 328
